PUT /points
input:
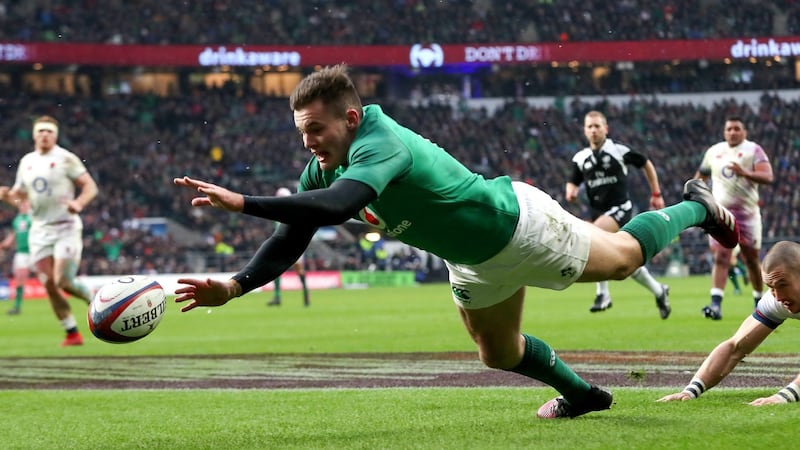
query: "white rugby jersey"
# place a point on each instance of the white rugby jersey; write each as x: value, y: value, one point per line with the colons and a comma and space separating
x: 48, y: 179
x: 730, y: 190
x: 772, y: 313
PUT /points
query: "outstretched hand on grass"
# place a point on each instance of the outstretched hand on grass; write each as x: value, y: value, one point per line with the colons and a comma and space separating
x: 771, y: 400
x: 678, y: 396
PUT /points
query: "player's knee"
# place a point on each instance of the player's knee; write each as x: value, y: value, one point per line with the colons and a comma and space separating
x: 61, y: 281
x: 623, y: 270
x: 492, y: 362
x: 498, y: 358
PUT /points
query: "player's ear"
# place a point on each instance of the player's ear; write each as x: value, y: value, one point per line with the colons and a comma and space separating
x: 353, y: 119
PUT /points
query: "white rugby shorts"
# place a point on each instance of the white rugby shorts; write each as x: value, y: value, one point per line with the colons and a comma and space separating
x: 549, y: 249
x: 22, y: 261
x: 750, y: 228
x: 61, y: 241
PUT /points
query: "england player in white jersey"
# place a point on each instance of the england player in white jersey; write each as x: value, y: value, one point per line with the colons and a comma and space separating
x: 781, y: 302
x: 49, y: 177
x: 736, y: 167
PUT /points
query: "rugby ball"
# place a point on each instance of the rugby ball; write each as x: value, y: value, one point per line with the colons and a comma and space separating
x: 127, y: 309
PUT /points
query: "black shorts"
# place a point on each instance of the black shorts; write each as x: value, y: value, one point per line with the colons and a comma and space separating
x: 621, y: 214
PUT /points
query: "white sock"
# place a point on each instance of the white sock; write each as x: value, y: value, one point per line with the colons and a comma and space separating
x: 602, y: 288
x: 643, y: 277
x: 69, y: 323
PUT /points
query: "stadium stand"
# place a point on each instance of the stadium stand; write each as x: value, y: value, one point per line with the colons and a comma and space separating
x: 134, y: 144
x: 367, y: 22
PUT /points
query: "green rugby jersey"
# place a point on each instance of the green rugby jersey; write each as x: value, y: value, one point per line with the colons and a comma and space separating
x: 426, y: 198
x: 22, y: 225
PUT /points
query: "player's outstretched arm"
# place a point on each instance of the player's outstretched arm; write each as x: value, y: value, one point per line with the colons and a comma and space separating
x: 723, y: 359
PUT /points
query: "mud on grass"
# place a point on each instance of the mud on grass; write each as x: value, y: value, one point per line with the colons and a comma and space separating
x: 368, y: 370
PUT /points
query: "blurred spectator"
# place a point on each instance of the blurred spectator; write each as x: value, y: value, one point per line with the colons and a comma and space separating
x: 136, y: 144
x: 134, y: 161
x: 333, y: 22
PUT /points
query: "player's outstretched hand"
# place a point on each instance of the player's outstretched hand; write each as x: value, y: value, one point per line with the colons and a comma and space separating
x: 214, y: 195
x: 678, y: 396
x: 771, y: 400
x: 206, y: 292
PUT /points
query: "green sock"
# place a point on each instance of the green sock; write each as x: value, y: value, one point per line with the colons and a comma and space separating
x: 742, y: 270
x: 656, y: 229
x: 277, y: 283
x: 18, y: 298
x: 540, y: 362
x: 734, y: 278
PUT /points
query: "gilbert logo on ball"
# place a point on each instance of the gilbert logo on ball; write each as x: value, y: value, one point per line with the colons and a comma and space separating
x: 127, y: 309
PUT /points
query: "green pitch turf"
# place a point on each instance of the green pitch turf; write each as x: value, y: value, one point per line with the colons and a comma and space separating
x: 392, y: 320
x: 411, y: 319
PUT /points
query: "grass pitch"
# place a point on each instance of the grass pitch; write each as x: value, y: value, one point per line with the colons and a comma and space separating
x: 411, y: 319
x: 392, y: 320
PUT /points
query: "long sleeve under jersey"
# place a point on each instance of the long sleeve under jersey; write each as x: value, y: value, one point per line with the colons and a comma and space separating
x: 300, y: 215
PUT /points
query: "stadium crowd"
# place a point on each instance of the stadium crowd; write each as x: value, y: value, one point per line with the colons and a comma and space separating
x: 134, y: 146
x: 389, y: 22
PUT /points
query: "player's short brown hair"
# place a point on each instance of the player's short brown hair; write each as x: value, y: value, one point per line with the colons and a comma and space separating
x: 332, y: 85
x: 784, y: 254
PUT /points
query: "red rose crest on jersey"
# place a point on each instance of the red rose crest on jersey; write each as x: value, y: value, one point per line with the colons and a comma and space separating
x: 369, y: 216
